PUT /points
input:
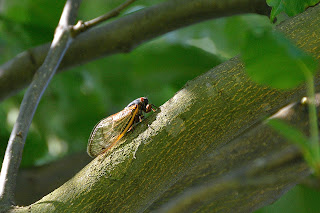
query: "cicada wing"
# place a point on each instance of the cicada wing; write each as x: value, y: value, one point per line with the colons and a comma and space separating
x: 97, y: 142
x: 108, y: 130
x: 124, y: 119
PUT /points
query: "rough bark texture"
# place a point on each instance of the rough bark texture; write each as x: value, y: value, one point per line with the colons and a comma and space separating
x: 36, y: 182
x: 252, y: 170
x: 156, y: 163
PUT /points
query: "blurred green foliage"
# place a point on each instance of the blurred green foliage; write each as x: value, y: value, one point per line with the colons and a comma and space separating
x: 77, y: 99
x: 300, y: 199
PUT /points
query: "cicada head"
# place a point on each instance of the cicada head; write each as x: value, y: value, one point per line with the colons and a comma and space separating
x: 145, y: 106
x: 142, y: 103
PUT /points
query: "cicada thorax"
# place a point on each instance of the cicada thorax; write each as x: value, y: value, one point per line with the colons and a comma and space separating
x: 111, y: 129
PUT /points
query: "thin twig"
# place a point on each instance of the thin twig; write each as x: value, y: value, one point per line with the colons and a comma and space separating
x: 83, y: 26
x: 61, y: 42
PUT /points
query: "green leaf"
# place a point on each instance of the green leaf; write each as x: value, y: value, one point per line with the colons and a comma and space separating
x: 295, y: 136
x: 290, y: 7
x: 271, y: 59
x: 291, y: 133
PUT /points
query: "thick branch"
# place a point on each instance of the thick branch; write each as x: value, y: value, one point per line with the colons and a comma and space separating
x: 197, y: 123
x: 34, y: 183
x: 253, y: 164
x: 13, y: 155
x: 123, y: 35
x: 219, y: 194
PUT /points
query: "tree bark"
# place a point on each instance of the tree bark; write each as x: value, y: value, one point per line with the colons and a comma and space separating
x: 198, y: 136
x: 34, y: 183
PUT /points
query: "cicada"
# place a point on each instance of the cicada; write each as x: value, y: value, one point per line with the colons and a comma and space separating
x: 110, y: 130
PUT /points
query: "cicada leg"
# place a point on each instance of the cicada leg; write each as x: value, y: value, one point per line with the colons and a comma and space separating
x: 150, y: 107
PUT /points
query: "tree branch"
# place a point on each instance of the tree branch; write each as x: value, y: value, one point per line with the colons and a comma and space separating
x: 251, y: 169
x: 13, y: 154
x: 34, y: 183
x: 83, y: 26
x: 209, y: 113
x: 238, y: 181
x: 122, y: 35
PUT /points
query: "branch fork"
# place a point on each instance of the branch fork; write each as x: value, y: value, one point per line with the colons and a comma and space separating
x: 63, y: 37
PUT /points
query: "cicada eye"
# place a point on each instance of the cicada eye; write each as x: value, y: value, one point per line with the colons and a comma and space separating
x: 144, y: 100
